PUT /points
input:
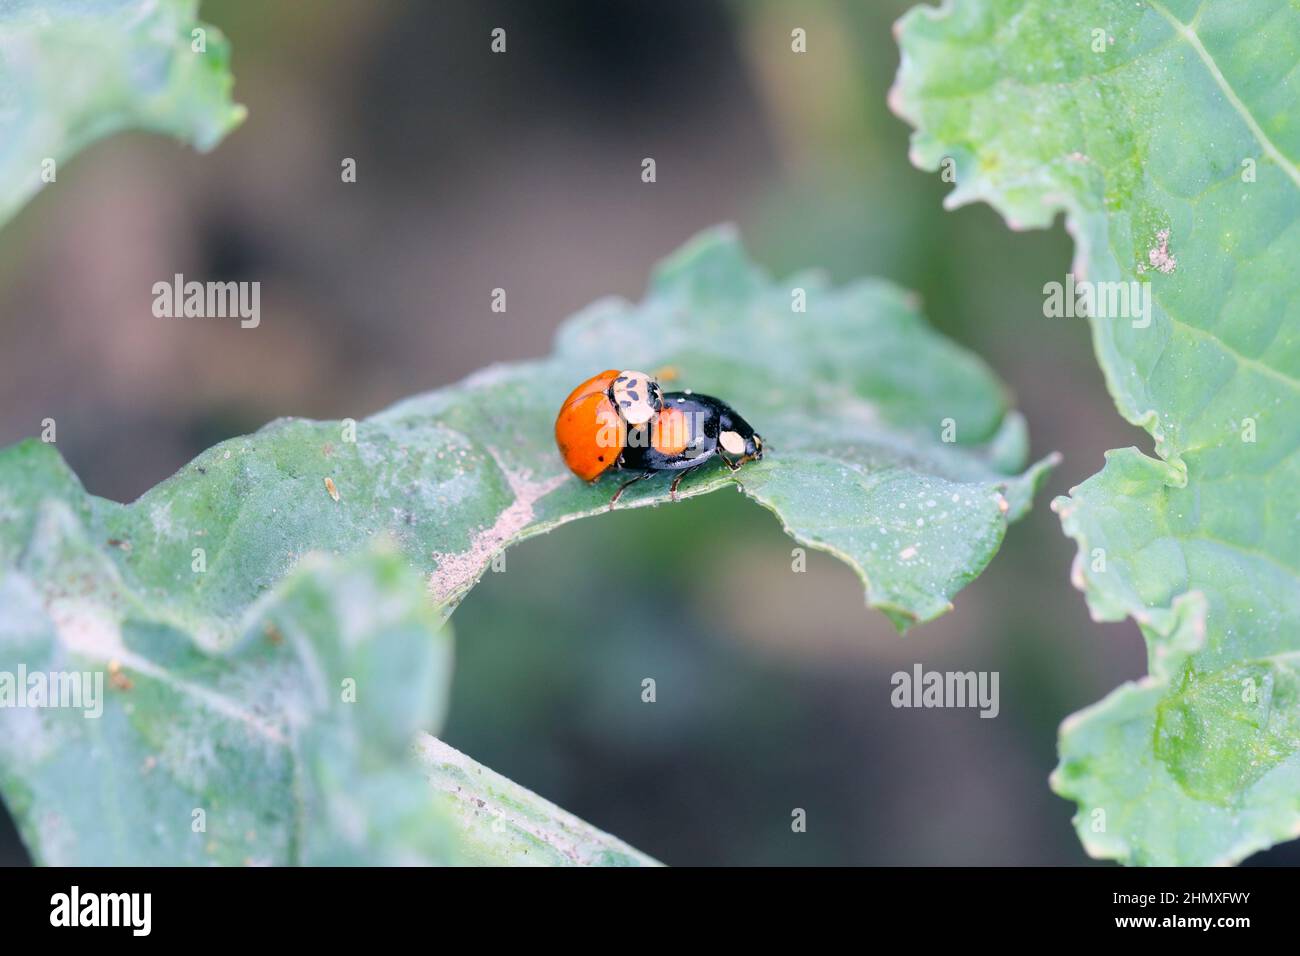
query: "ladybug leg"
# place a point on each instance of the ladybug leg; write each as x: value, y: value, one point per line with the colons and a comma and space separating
x: 742, y: 460
x: 672, y: 489
x: 623, y: 487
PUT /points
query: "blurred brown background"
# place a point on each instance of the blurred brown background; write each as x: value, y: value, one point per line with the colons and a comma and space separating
x: 523, y: 171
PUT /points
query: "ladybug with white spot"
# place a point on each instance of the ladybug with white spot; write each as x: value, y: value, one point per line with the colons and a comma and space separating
x: 623, y: 420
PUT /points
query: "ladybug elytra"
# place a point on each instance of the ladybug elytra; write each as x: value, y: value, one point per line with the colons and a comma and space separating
x: 623, y: 420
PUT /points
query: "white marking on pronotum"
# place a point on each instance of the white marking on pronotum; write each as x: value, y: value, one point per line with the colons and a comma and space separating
x: 632, y: 393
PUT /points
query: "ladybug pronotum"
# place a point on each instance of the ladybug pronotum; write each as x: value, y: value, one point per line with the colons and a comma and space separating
x: 622, y: 420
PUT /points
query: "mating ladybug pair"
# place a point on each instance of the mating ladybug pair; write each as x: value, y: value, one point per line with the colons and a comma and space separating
x: 623, y: 420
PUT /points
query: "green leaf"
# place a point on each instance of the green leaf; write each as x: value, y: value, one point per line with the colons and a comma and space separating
x: 250, y: 754
x: 1172, y: 153
x: 74, y: 72
x: 183, y: 583
x: 499, y: 823
x: 853, y: 397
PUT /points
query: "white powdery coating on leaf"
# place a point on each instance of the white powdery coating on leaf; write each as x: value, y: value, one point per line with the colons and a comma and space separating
x: 1160, y: 257
x: 55, y: 838
x: 27, y: 738
x: 87, y: 629
x: 94, y: 633
x: 189, y: 756
x: 456, y: 572
x: 164, y: 528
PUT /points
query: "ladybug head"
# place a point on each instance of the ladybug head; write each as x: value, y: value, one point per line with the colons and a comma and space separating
x: 636, y: 396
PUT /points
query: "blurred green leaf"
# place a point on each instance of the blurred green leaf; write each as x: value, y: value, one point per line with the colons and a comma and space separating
x: 1167, y: 133
x: 277, y: 736
x: 74, y: 72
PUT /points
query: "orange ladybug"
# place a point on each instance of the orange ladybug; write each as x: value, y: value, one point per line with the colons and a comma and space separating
x: 621, y: 419
x: 591, y: 429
